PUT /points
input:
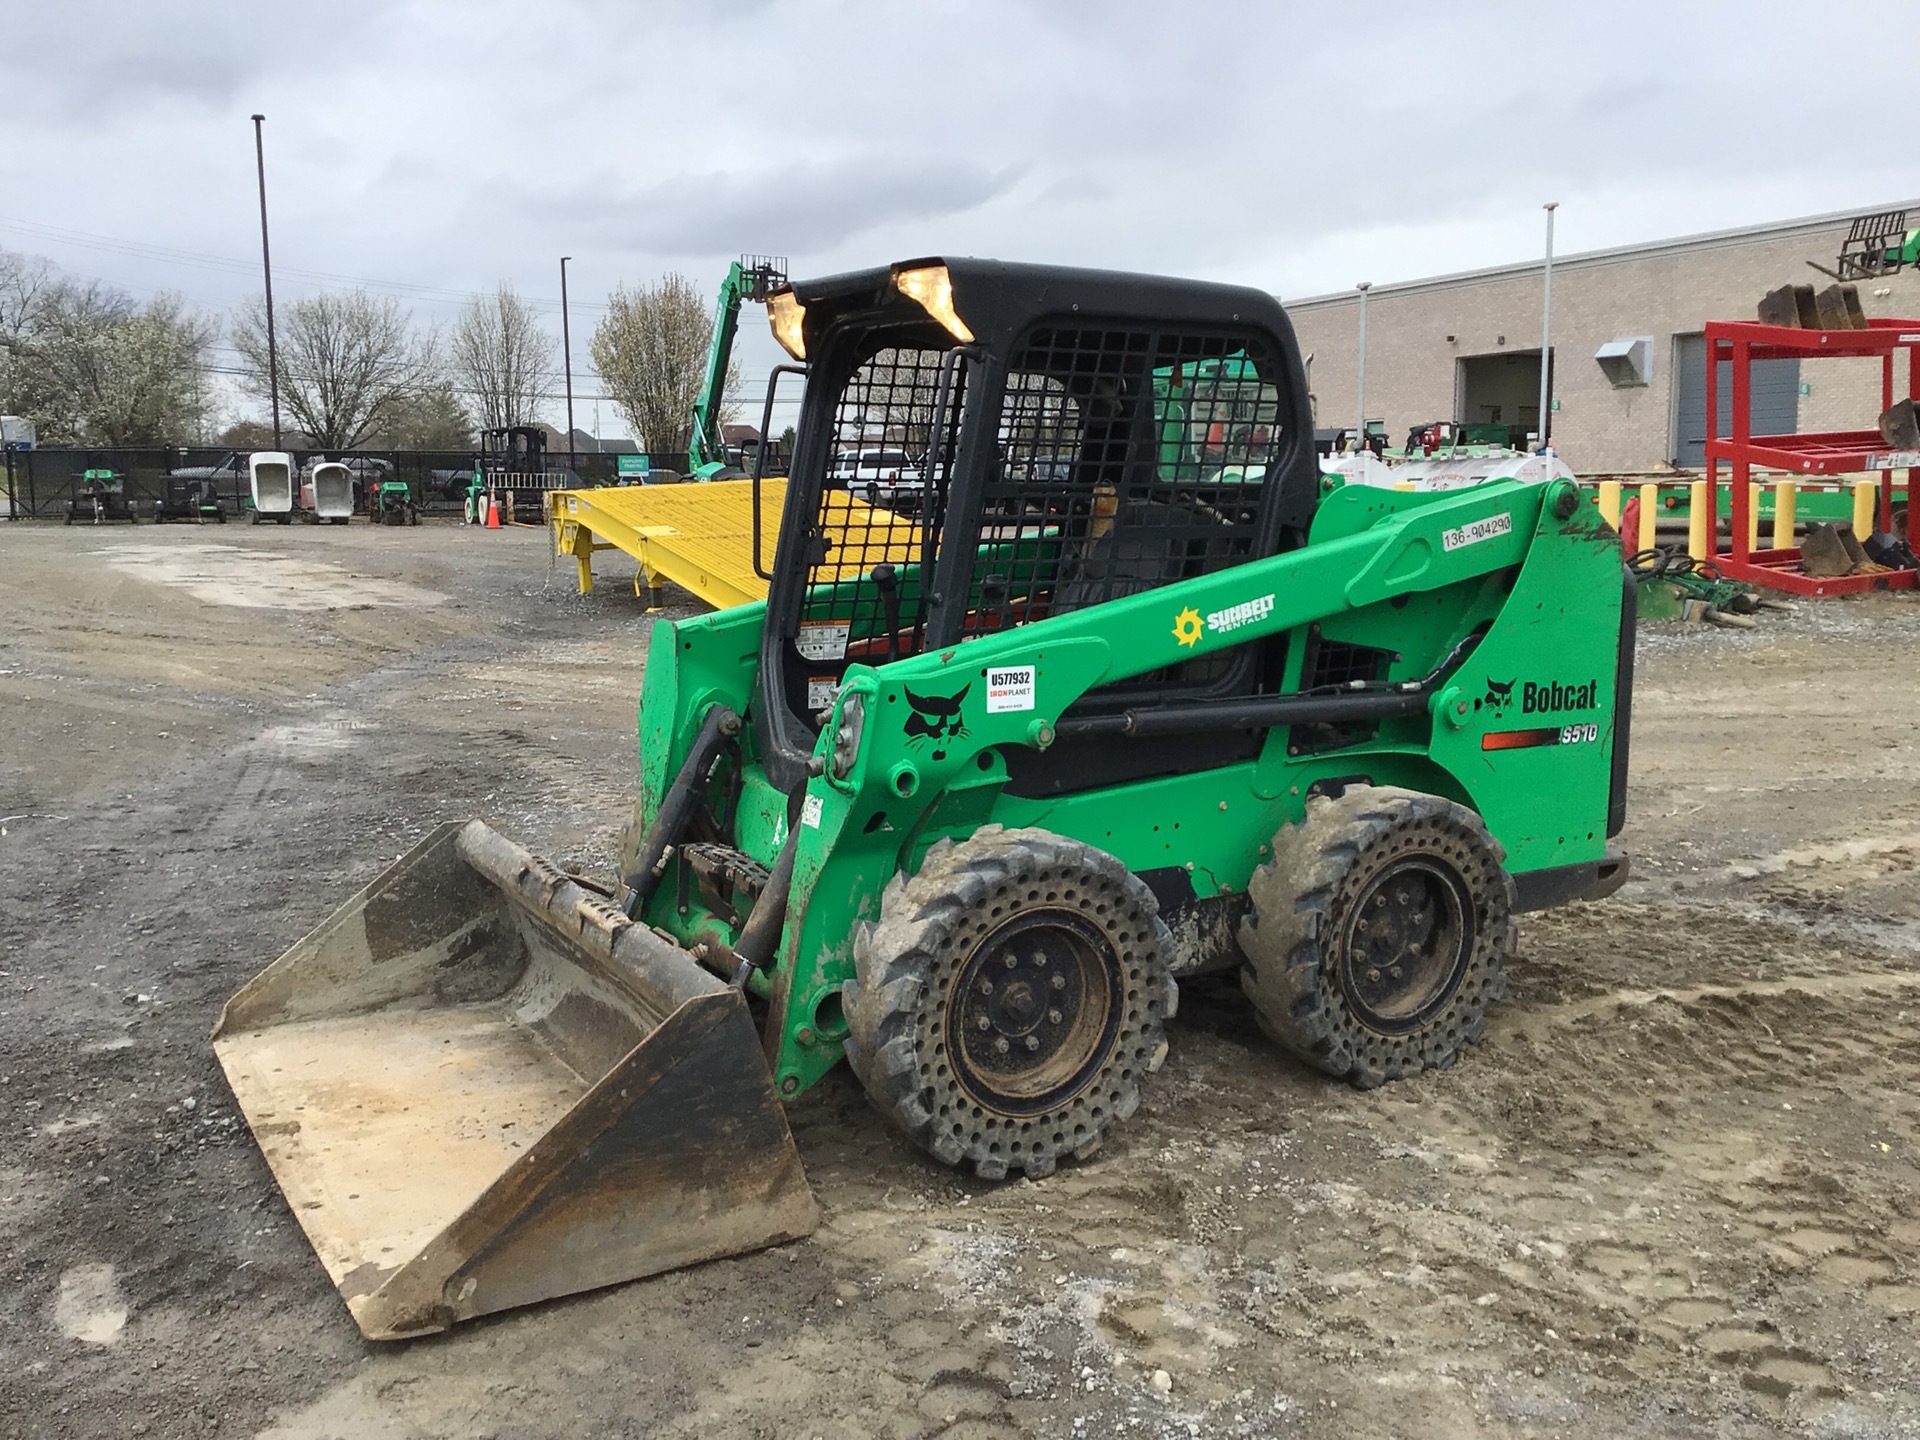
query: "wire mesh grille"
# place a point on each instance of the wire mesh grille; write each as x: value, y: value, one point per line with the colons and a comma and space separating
x: 882, y: 506
x: 1128, y: 459
x: 1336, y: 664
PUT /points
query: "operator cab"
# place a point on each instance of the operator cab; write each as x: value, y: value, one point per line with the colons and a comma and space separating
x: 1078, y: 436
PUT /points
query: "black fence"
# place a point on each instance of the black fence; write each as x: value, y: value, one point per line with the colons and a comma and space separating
x: 39, y: 483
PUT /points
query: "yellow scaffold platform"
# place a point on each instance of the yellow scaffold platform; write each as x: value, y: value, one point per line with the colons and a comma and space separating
x: 701, y: 536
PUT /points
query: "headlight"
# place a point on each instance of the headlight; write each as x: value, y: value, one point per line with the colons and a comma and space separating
x: 846, y: 740
x: 788, y: 318
x: 931, y: 287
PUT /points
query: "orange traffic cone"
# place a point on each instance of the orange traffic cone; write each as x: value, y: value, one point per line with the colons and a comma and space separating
x: 493, y: 512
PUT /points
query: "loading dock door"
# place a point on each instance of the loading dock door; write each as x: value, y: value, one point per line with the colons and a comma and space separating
x: 1500, y: 389
x: 1776, y: 398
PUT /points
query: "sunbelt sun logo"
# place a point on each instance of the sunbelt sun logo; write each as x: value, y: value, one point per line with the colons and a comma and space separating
x: 1188, y: 625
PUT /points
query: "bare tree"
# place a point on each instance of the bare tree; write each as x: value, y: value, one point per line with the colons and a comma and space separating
x: 347, y: 360
x: 502, y: 358
x: 89, y: 366
x: 651, y: 352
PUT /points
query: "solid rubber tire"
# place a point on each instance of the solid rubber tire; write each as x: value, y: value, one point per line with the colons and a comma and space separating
x: 1300, y: 900
x: 905, y: 963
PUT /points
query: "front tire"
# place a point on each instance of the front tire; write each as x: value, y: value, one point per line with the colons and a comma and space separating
x: 1010, y: 1000
x: 1380, y: 934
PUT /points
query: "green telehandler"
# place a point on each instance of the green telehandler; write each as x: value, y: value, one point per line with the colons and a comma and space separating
x: 961, y: 802
x: 751, y: 277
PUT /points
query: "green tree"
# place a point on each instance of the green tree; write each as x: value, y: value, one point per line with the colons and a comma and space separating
x: 431, y: 418
x: 651, y: 354
x: 88, y: 365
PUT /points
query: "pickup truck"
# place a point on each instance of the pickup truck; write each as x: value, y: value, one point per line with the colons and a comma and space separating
x: 230, y: 471
x: 886, y: 478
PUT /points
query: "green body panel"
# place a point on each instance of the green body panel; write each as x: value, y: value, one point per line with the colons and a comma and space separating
x: 1835, y: 506
x: 1230, y: 389
x: 706, y: 455
x: 1411, y: 573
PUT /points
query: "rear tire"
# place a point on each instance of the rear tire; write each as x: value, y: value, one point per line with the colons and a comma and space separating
x: 1010, y: 1000
x: 1380, y: 934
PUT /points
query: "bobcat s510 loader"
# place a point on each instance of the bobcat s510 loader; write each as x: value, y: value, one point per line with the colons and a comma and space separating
x: 1125, y: 698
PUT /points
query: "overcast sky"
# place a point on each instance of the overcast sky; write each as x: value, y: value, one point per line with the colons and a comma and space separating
x: 436, y: 149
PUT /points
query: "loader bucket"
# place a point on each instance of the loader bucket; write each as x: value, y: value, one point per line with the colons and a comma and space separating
x: 332, y: 491
x: 270, y: 474
x: 480, y: 1085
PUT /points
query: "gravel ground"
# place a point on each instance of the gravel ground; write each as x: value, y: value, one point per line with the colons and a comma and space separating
x: 1671, y: 1193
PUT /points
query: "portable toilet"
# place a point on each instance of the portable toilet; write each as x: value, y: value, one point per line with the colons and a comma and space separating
x: 327, y: 494
x: 270, y: 473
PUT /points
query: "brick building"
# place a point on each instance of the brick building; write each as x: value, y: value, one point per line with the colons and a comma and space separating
x: 1467, y: 347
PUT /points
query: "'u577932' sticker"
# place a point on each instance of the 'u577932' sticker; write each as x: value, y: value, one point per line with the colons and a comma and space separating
x: 1476, y: 531
x: 1547, y: 735
x: 1009, y: 687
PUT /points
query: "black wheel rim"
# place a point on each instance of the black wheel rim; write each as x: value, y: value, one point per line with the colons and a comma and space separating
x: 1034, y: 1011
x: 1409, y: 938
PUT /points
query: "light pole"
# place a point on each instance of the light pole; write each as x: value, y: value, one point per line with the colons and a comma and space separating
x: 1360, y: 386
x: 1546, y: 327
x: 566, y: 350
x: 266, y: 264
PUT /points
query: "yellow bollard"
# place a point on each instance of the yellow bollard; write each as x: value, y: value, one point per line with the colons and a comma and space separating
x: 1649, y: 517
x: 1699, y: 538
x: 1610, y: 502
x: 1866, y: 500
x: 1783, y: 500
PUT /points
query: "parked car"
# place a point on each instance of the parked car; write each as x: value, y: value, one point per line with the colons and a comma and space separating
x: 887, y: 478
x: 230, y: 472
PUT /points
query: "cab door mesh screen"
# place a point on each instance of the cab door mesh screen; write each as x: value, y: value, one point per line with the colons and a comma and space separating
x: 1127, y: 459
x: 884, y: 500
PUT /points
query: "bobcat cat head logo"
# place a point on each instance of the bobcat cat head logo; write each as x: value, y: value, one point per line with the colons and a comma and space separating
x: 1500, y: 695
x: 936, y: 718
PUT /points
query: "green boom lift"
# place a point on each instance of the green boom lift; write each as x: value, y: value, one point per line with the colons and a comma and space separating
x: 964, y: 800
x: 751, y: 277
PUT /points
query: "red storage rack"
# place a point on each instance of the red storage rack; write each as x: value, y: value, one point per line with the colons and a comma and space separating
x: 1840, y: 452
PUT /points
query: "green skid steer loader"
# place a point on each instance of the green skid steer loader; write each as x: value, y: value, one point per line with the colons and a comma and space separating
x: 1125, y: 699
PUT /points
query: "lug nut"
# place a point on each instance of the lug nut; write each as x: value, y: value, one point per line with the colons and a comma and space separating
x: 1000, y: 1046
x: 1373, y: 977
x: 986, y: 987
x: 1033, y: 1042
x: 983, y: 1023
x: 1040, y: 959
x: 1009, y: 961
x: 1059, y: 982
x: 1053, y: 1017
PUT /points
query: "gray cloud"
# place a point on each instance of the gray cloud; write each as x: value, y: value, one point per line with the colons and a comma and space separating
x: 802, y: 209
x: 455, y: 145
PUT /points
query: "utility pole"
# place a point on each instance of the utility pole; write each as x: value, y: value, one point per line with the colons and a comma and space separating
x: 566, y: 350
x: 266, y: 265
x: 1360, y: 402
x: 1546, y: 327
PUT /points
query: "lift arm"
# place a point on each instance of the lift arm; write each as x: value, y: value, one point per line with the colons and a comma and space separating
x: 704, y: 446
x: 752, y: 277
